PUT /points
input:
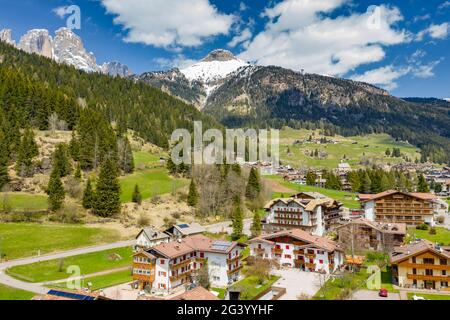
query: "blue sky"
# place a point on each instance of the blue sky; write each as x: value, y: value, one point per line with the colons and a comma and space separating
x: 402, y: 46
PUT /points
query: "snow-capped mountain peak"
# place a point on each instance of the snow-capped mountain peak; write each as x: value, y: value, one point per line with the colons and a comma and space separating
x: 6, y: 36
x: 37, y: 41
x: 215, y: 66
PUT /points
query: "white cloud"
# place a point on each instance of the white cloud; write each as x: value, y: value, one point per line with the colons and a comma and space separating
x: 426, y: 70
x: 422, y: 18
x: 444, y: 5
x: 245, y: 35
x: 299, y: 35
x: 166, y: 23
x: 243, y: 6
x: 435, y: 31
x: 60, y: 11
x: 384, y: 77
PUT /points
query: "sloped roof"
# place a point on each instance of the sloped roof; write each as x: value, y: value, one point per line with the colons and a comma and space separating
x: 298, y: 234
x: 189, y: 229
x: 392, y: 228
x: 193, y: 243
x: 422, y: 196
x: 404, y: 252
x: 197, y: 294
x: 153, y: 234
x: 307, y: 204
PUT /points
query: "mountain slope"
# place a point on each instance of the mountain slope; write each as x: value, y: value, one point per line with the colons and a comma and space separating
x: 151, y: 113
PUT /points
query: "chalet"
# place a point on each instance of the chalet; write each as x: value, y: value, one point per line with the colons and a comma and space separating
x: 299, y: 249
x: 421, y: 265
x: 399, y: 207
x: 150, y: 237
x: 363, y: 234
x: 185, y: 230
x: 310, y: 211
x: 170, y: 265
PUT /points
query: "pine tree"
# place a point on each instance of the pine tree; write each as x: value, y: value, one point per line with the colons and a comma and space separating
x: 4, y: 177
x: 384, y: 183
x: 171, y: 167
x: 60, y: 160
x: 55, y: 191
x: 74, y: 147
x: 137, y: 198
x: 237, y: 219
x: 366, y: 184
x: 126, y: 160
x: 107, y: 194
x: 27, y: 151
x: 253, y: 185
x: 78, y: 174
x: 193, y: 196
x: 311, y: 178
x: 422, y: 185
x: 88, y: 195
x: 256, y: 227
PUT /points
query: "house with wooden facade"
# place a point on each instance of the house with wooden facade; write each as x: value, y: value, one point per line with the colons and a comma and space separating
x: 296, y: 248
x: 362, y: 235
x: 309, y: 211
x: 150, y: 237
x: 422, y: 265
x: 395, y: 206
x: 169, y: 265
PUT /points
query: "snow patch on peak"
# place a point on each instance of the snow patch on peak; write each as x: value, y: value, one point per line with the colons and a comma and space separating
x: 6, y: 36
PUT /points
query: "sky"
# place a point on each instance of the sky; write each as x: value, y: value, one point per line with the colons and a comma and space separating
x: 402, y: 46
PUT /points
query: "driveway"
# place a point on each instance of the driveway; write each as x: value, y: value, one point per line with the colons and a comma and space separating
x: 373, y: 295
x: 297, y: 282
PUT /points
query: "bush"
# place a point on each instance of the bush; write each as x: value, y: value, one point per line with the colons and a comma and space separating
x: 440, y: 219
x: 143, y: 220
x: 432, y: 231
x: 422, y: 226
x: 73, y: 188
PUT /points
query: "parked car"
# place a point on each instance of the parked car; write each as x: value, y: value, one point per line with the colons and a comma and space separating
x: 383, y: 293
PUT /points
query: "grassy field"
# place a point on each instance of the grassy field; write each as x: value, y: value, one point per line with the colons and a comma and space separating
x: 347, y: 198
x: 220, y: 291
x: 103, y: 281
x: 8, y: 293
x: 23, y: 202
x: 18, y: 240
x: 151, y: 176
x: 442, y: 236
x: 355, y: 149
x: 88, y: 263
x: 250, y: 286
x: 429, y: 296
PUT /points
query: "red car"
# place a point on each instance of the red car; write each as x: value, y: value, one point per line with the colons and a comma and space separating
x: 383, y: 293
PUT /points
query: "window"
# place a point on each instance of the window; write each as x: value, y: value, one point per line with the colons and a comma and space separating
x: 162, y: 261
x: 259, y: 246
x: 202, y: 254
x: 310, y: 251
x: 428, y: 261
x: 443, y: 262
x: 444, y: 272
x: 414, y: 271
x: 413, y: 259
x: 444, y: 284
x: 428, y: 272
x: 287, y: 247
x: 320, y: 252
x: 311, y: 260
x: 321, y: 261
x: 287, y: 256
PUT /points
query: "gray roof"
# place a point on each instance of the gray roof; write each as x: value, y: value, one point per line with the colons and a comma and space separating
x: 153, y: 234
x: 189, y: 229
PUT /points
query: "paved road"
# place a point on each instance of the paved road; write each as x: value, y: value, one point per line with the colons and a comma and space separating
x: 373, y: 295
x: 297, y: 283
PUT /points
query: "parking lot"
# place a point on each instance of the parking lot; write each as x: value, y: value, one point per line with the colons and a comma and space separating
x: 373, y: 295
x: 297, y: 282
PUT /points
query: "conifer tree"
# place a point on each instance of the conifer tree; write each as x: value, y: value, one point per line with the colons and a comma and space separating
x: 88, y: 195
x: 78, y: 174
x: 236, y: 168
x: 253, y: 185
x: 171, y: 167
x: 107, y: 193
x: 60, y: 160
x: 27, y: 151
x: 366, y: 184
x: 4, y: 177
x: 55, y: 191
x: 74, y: 147
x: 126, y: 160
x: 137, y: 198
x: 193, y: 196
x: 422, y: 185
x: 237, y: 219
x: 256, y: 227
x: 311, y: 178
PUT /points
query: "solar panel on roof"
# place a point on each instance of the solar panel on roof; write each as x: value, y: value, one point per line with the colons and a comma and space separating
x: 183, y: 226
x: 221, y: 245
x: 70, y: 295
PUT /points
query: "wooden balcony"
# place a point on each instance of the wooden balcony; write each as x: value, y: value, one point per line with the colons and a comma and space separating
x: 180, y: 275
x: 311, y: 265
x: 277, y: 251
x: 423, y: 266
x: 181, y: 264
x: 230, y: 272
x: 427, y: 278
x: 310, y: 255
x: 259, y: 250
x: 298, y: 263
x: 233, y: 259
x: 299, y: 252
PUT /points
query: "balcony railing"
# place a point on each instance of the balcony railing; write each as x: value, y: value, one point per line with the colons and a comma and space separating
x: 180, y: 275
x: 427, y: 277
x: 311, y: 265
x: 234, y: 270
x: 232, y: 259
x: 426, y: 266
x: 277, y: 250
x: 181, y: 263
